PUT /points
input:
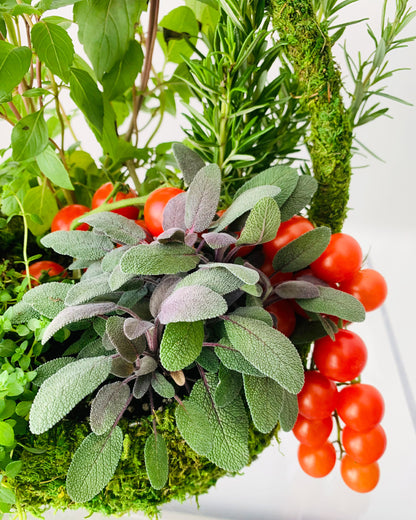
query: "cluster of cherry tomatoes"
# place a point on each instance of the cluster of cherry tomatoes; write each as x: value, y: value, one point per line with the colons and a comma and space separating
x: 338, y: 362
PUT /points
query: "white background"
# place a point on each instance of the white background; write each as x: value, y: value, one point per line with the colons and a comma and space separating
x: 382, y: 220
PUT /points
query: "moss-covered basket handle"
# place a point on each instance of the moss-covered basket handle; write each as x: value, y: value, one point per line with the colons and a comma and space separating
x: 330, y: 139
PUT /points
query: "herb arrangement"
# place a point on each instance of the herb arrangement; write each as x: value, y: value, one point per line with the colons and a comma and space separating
x: 158, y: 330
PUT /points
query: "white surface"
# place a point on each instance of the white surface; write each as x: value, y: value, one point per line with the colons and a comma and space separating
x: 382, y: 196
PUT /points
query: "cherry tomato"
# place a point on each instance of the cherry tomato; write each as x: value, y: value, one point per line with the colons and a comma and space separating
x: 318, y: 397
x: 342, y: 359
x: 368, y: 286
x: 364, y: 447
x: 100, y: 196
x: 312, y: 433
x: 317, y: 462
x: 285, y: 316
x: 63, y: 219
x: 359, y: 477
x: 288, y: 231
x: 340, y: 260
x: 154, y: 206
x: 360, y: 406
x: 142, y: 224
x: 44, y: 268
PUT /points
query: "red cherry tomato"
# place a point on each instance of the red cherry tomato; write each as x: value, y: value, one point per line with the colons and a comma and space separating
x: 340, y: 260
x: 359, y: 477
x: 63, y: 219
x: 318, y: 397
x: 312, y: 433
x: 360, y: 406
x: 317, y: 462
x: 342, y: 359
x: 285, y: 316
x: 364, y: 447
x: 154, y: 206
x: 100, y: 196
x: 288, y: 231
x: 44, y: 268
x: 368, y: 286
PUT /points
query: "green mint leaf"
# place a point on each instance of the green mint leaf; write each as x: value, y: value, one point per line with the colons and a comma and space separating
x: 54, y: 47
x: 228, y: 426
x: 302, y: 251
x: 268, y: 350
x: 203, y: 197
x: 78, y: 244
x: 74, y: 314
x: 29, y: 136
x: 43, y: 372
x: 289, y: 412
x: 116, y: 227
x: 335, y: 303
x: 156, y: 460
x: 48, y: 298
x: 262, y: 223
x: 106, y: 407
x: 192, y: 303
x: 52, y: 167
x: 300, y: 197
x: 229, y: 386
x: 188, y: 160
x: 243, y: 203
x: 14, y: 63
x: 220, y: 280
x: 162, y: 386
x: 265, y: 400
x: 6, y: 434
x: 86, y: 290
x: 233, y: 360
x: 181, y: 344
x: 193, y: 425
x: 245, y: 274
x: 65, y: 389
x: 156, y: 259
x: 94, y: 464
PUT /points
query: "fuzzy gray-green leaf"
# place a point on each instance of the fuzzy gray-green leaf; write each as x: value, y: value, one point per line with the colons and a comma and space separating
x: 258, y: 313
x: 243, y: 203
x: 21, y: 312
x: 300, y: 197
x: 229, y: 386
x: 220, y: 280
x: 116, y: 227
x: 114, y: 329
x: 218, y: 240
x: 156, y: 259
x: 302, y: 251
x: 262, y: 223
x: 193, y: 425
x: 65, y: 389
x: 336, y: 303
x: 297, y: 289
x: 43, y: 372
x: 289, y: 412
x: 94, y: 464
x: 203, y: 197
x: 162, y: 386
x: 188, y: 160
x: 181, y: 344
x: 48, y: 298
x: 107, y: 405
x: 86, y: 290
x: 268, y: 350
x: 233, y: 360
x: 265, y: 400
x: 192, y: 303
x: 78, y: 244
x: 156, y: 460
x: 245, y: 274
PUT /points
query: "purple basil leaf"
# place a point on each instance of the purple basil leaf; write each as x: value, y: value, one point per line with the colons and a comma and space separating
x: 203, y: 197
x: 174, y: 212
x: 297, y: 289
x: 218, y: 240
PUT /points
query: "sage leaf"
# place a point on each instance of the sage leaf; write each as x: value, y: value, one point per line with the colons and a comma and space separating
x: 116, y: 227
x: 164, y: 289
x: 181, y: 344
x: 245, y: 274
x: 262, y: 223
x: 147, y: 366
x: 141, y: 385
x: 268, y: 350
x: 157, y: 259
x: 118, y: 279
x: 300, y: 197
x: 289, y: 412
x: 188, y: 160
x: 156, y: 460
x: 94, y: 349
x: 21, y: 312
x: 193, y: 425
x: 233, y: 360
x: 65, y: 389
x: 192, y: 303
x: 74, y: 314
x: 208, y: 360
x: 258, y: 313
x: 43, y: 372
x: 244, y: 202
x: 302, y: 251
x: 174, y: 212
x: 48, y: 299
x: 335, y: 303
x: 121, y: 368
x: 94, y: 464
x: 29, y: 136
x: 218, y: 240
x: 112, y: 259
x: 86, y: 290
x: 162, y: 386
x: 134, y: 328
x: 79, y: 244
x: 106, y: 407
x: 229, y: 386
x: 220, y: 280
x: 114, y: 328
x: 203, y: 197
x: 228, y: 426
x: 265, y: 400
x: 297, y: 289
x: 14, y: 63
x: 51, y: 166
x: 172, y: 235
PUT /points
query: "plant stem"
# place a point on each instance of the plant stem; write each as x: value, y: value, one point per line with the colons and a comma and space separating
x: 25, y: 240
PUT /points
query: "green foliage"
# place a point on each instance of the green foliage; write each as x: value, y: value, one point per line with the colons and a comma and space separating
x: 156, y: 459
x: 181, y: 344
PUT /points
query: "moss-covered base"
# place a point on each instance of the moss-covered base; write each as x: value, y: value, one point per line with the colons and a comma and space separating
x: 41, y: 483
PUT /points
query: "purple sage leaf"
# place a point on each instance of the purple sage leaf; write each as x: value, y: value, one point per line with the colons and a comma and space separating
x: 174, y: 212
x: 218, y: 240
x: 203, y: 197
x: 134, y: 328
x: 297, y: 289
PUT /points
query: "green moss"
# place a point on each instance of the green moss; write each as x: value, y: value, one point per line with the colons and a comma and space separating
x: 41, y: 483
x: 319, y: 80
